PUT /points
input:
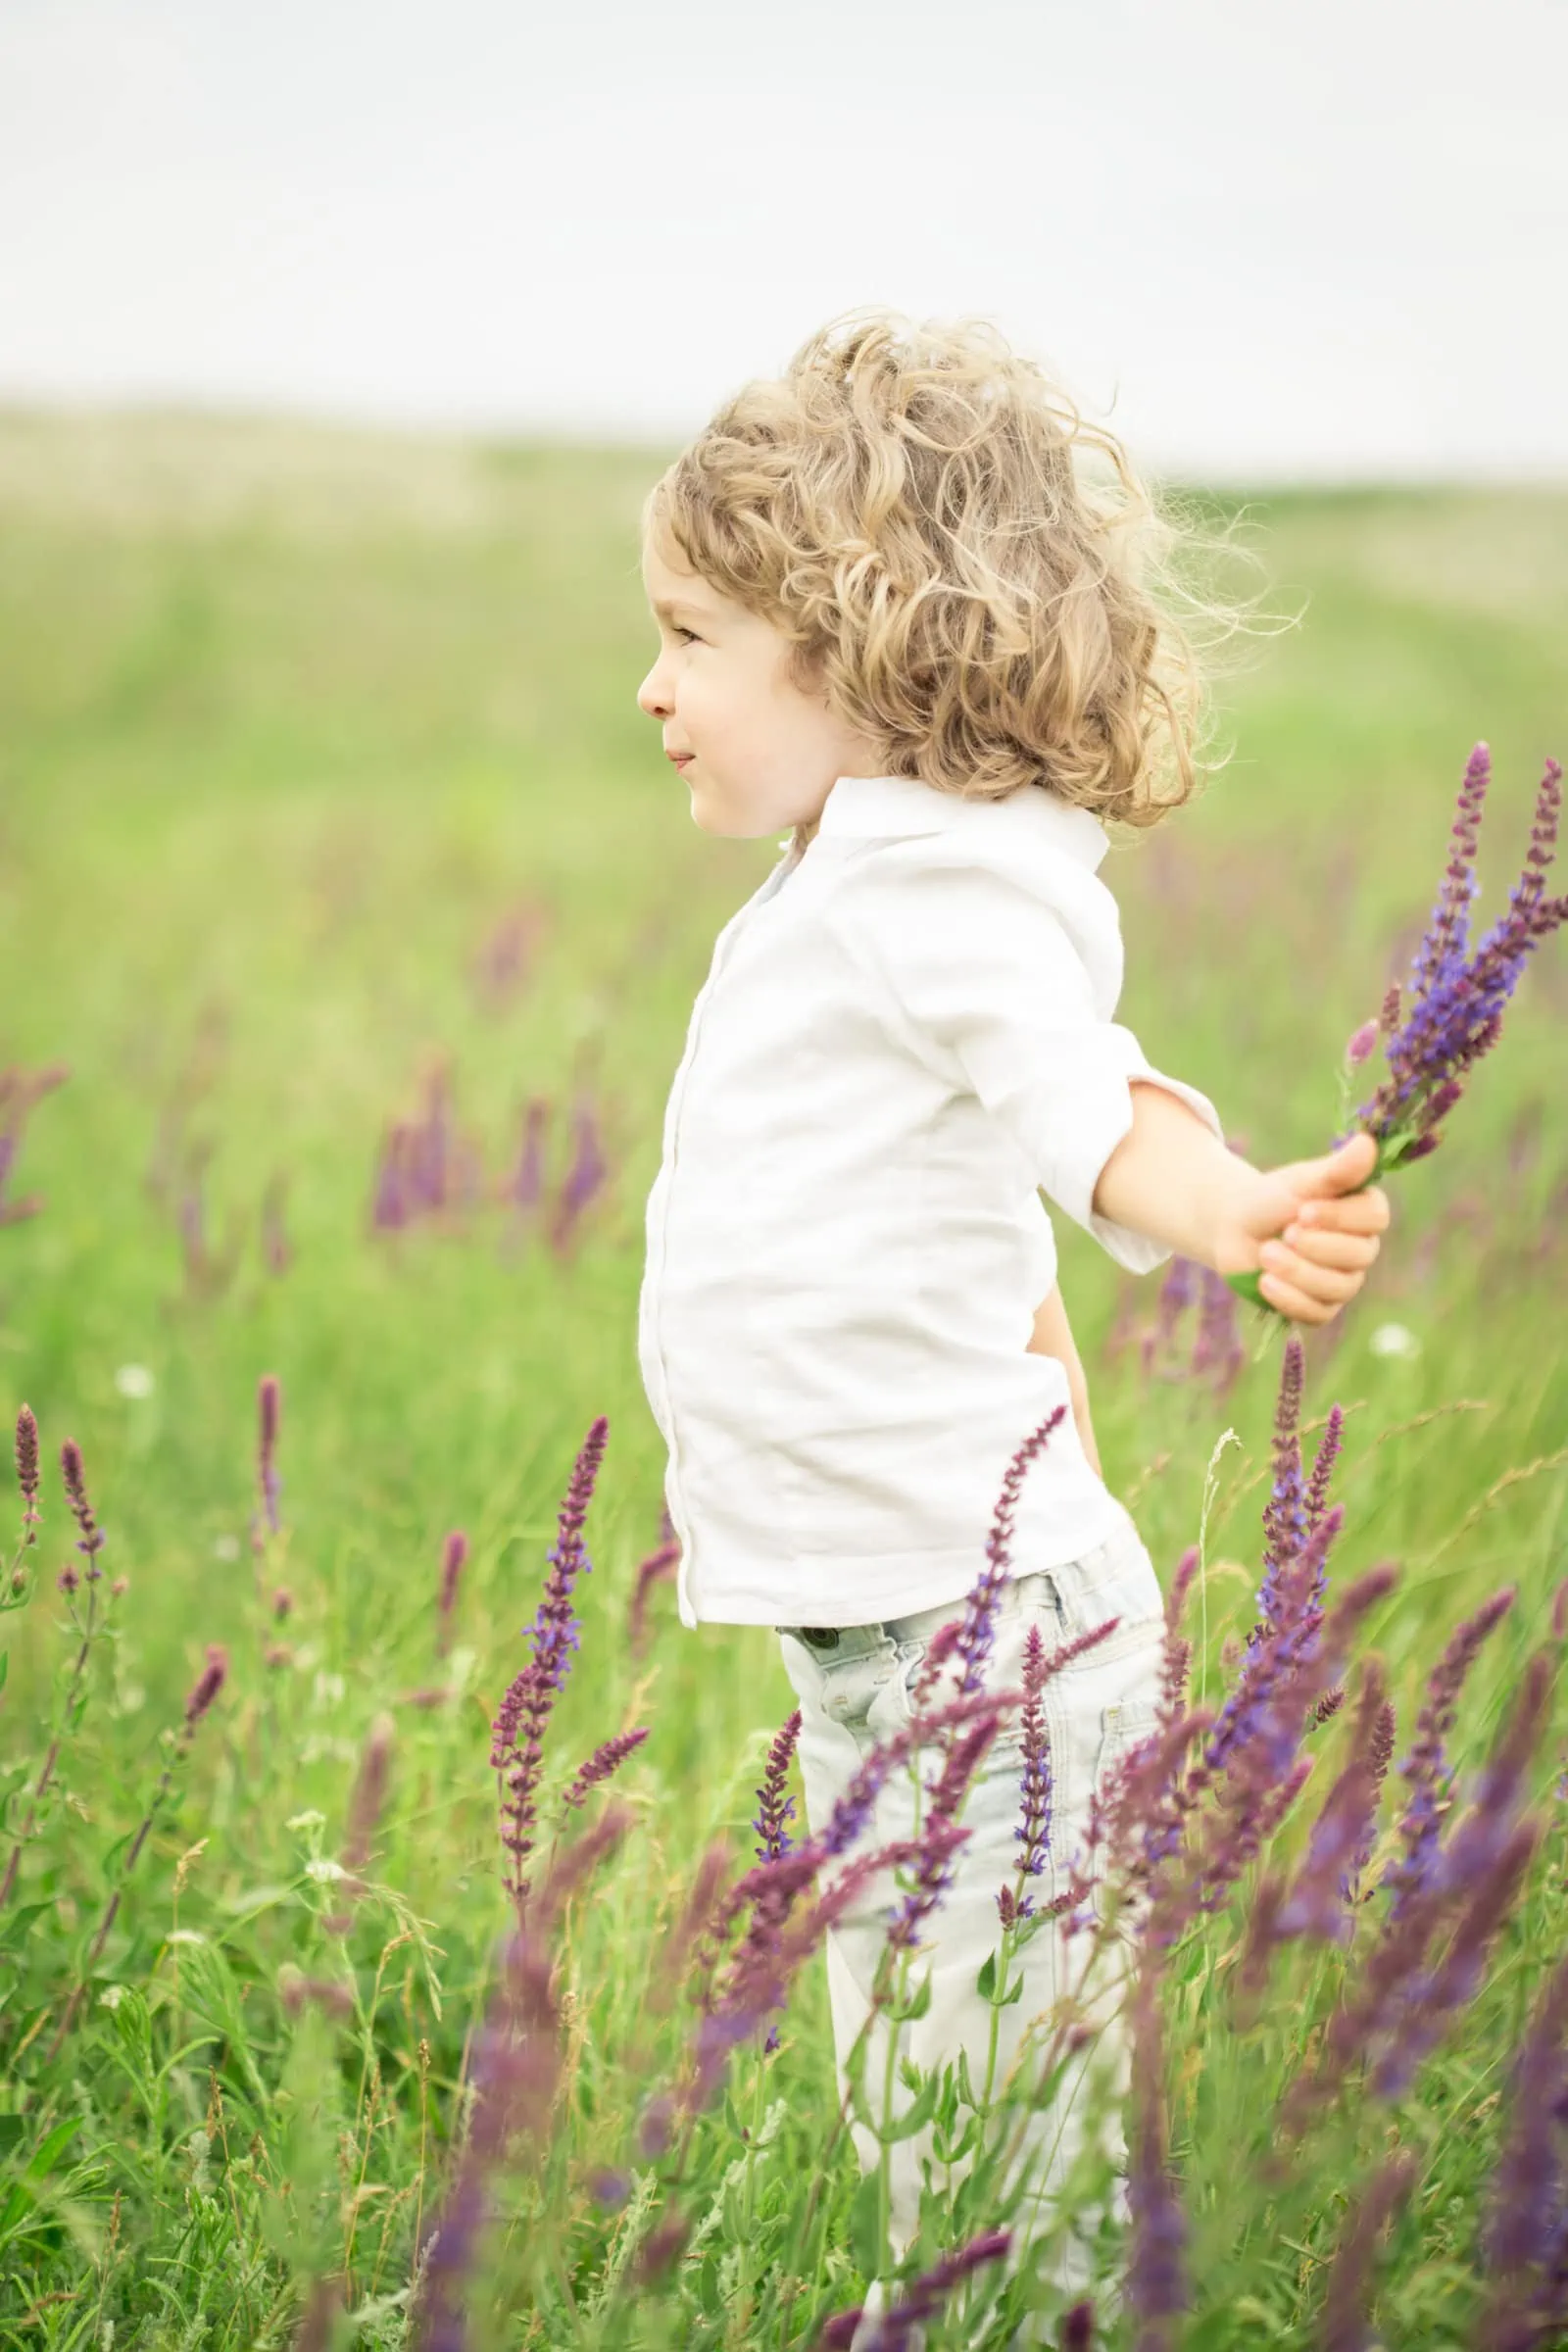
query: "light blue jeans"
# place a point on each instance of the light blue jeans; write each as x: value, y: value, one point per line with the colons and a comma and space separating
x: 854, y: 1688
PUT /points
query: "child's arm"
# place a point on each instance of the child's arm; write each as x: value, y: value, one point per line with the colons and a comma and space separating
x: 1170, y: 1178
x: 1053, y: 1335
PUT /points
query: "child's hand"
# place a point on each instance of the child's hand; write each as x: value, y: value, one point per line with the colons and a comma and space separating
x: 1327, y: 1231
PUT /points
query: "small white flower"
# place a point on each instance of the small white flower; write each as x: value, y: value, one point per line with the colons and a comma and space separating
x: 111, y: 1996
x: 310, y: 1820
x: 135, y: 1380
x: 185, y: 1935
x: 328, y: 1689
x: 227, y: 1548
x: 1393, y: 1339
x: 324, y: 1869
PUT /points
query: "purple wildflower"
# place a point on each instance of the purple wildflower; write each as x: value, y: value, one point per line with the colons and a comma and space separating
x: 1220, y: 1346
x: 522, y: 1188
x: 269, y: 1406
x: 1525, y: 2240
x: 517, y: 2068
x: 924, y: 2298
x: 1078, y: 2328
x: 1456, y: 1014
x: 89, y: 1537
x: 389, y: 1203
x: 1345, y: 2326
x: 657, y: 1566
x: 1157, y: 2285
x: 1425, y: 1770
x: 1176, y: 1292
x: 368, y: 1800
x: 1406, y: 1997
x: 1033, y: 1833
x: 941, y: 1832
x: 517, y: 1750
x: 1316, y: 1904
x: 27, y: 1472
x: 582, y: 1179
x: 454, y: 1553
x: 606, y: 1760
x: 773, y: 1807
x: 206, y: 1687
x: 1361, y: 1043
x: 977, y: 1626
x: 1285, y: 1512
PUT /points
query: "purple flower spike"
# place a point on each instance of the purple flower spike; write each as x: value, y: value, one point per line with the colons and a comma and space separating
x: 27, y: 1472
x: 269, y: 1397
x: 453, y: 1556
x: 1361, y: 1043
x: 1452, y: 1012
x: 90, y: 1537
x: 207, y: 1685
x: 941, y: 1834
x: 1345, y: 2326
x: 516, y: 1752
x: 1033, y: 1833
x: 1316, y: 1904
x: 1156, y: 2283
x: 977, y: 1627
x: 1425, y: 1770
x: 1526, y: 2236
x: 892, y: 2331
x: 1456, y: 1012
x: 773, y: 1807
x: 1285, y: 1512
x: 606, y: 1760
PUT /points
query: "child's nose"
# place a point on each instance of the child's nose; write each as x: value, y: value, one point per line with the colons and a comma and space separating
x: 653, y: 696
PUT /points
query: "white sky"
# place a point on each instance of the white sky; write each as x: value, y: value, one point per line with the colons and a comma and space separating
x: 1263, y: 239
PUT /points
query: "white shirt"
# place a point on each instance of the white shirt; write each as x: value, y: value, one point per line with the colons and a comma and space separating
x: 887, y: 1062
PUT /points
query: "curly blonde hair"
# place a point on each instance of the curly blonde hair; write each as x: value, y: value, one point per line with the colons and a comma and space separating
x: 906, y: 506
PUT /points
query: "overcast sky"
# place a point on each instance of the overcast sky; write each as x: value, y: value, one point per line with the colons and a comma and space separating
x: 1262, y: 239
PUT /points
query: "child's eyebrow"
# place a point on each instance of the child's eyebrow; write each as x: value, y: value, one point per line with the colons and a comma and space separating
x: 666, y: 608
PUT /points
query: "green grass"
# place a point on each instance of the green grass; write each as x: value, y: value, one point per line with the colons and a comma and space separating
x: 289, y: 722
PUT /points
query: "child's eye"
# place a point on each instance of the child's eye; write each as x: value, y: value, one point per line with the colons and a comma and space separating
x: 690, y: 635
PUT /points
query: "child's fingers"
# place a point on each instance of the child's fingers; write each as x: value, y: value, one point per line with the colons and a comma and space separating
x: 1292, y: 1303
x: 1323, y: 1285
x: 1352, y: 1212
x: 1345, y: 1251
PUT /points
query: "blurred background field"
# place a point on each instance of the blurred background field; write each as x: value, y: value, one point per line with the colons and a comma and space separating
x: 321, y: 774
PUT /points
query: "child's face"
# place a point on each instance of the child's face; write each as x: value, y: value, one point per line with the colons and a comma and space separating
x: 759, y: 753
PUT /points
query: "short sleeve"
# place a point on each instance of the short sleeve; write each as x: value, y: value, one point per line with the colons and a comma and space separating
x: 990, y: 980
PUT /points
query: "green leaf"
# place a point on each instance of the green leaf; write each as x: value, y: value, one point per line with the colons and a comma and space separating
x: 52, y: 2148
x: 1245, y: 1286
x: 985, y: 1983
x: 12, y: 2127
x: 917, y: 2115
x: 865, y: 2227
x: 946, y: 2149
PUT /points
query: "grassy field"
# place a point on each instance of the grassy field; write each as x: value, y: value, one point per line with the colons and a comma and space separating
x: 322, y: 790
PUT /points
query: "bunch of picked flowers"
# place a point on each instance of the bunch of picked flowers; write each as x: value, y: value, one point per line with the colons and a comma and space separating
x: 1451, y: 1011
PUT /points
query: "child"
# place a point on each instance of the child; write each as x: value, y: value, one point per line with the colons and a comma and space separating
x: 894, y: 618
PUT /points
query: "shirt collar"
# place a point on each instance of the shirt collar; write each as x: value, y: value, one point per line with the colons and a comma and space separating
x: 891, y: 806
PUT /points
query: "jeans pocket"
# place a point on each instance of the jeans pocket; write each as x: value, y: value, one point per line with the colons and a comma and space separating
x: 1117, y: 1579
